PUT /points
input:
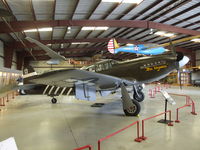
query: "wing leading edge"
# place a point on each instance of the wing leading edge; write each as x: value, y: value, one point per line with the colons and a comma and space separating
x: 51, y: 53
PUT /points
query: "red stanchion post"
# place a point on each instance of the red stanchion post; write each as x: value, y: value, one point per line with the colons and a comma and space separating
x: 187, y: 100
x: 170, y: 118
x: 151, y: 93
x: 0, y: 103
x: 193, y: 109
x: 138, y: 139
x: 177, y: 120
x: 109, y: 136
x: 143, y: 137
x: 84, y: 147
x: 177, y: 111
x: 13, y: 95
x: 3, y: 99
x: 7, y: 97
x: 154, y: 90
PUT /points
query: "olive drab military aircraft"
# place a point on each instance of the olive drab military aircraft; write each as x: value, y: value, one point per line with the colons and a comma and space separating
x: 107, y: 76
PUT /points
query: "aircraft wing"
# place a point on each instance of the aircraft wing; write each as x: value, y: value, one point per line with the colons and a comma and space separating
x: 86, y: 83
x: 51, y: 53
x: 70, y: 77
x: 4, y: 13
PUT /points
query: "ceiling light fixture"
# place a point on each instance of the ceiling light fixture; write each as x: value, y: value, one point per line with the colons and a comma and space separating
x: 162, y: 33
x: 94, y: 28
x: 31, y: 30
x: 40, y: 29
x: 80, y: 43
x: 123, y: 1
x: 196, y: 40
x: 159, y: 33
x: 169, y: 34
x: 69, y: 30
x: 101, y: 28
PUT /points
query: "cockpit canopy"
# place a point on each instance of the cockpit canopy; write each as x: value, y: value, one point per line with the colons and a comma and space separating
x: 101, y: 66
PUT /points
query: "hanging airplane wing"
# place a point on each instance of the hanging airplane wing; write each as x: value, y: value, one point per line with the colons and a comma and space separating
x: 51, y: 53
x: 4, y: 13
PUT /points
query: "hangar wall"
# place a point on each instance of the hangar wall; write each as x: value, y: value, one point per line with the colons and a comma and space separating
x: 14, y: 60
x: 1, y: 55
x: 198, y: 58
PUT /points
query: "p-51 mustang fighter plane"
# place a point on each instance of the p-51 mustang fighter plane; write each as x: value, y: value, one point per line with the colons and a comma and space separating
x: 109, y: 76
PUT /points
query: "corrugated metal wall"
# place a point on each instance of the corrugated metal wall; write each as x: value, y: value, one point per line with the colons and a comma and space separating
x: 198, y: 58
x: 1, y: 55
x: 14, y: 61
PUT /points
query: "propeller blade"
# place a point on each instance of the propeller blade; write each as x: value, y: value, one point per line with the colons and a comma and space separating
x: 179, y: 78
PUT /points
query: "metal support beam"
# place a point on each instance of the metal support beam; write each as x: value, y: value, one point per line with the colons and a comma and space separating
x: 193, y: 59
x: 18, y: 45
x: 24, y: 25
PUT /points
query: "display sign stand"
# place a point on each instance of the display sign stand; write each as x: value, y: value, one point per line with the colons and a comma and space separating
x: 165, y: 121
x: 169, y: 99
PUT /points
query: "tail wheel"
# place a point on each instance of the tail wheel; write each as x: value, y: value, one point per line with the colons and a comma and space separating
x: 139, y: 97
x: 133, y: 110
x: 54, y: 100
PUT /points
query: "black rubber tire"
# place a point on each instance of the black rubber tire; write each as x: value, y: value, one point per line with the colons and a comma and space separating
x: 134, y: 112
x: 139, y: 98
x: 54, y: 100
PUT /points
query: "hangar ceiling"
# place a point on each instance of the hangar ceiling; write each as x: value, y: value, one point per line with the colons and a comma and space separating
x: 65, y: 21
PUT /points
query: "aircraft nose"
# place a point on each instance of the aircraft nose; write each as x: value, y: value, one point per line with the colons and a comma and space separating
x: 183, y: 61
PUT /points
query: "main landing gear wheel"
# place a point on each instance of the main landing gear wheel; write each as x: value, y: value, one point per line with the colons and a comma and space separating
x: 139, y: 97
x: 54, y: 100
x: 133, y: 110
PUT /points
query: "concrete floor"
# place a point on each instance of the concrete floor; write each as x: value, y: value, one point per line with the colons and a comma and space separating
x: 36, y: 124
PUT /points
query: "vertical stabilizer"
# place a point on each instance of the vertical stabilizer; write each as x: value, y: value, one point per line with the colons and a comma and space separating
x: 112, y: 45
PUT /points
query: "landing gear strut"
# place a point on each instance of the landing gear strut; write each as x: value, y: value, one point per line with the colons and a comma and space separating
x: 138, y: 94
x: 130, y: 106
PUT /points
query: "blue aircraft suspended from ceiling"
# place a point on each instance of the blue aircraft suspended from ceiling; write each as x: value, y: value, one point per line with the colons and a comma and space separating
x: 145, y: 49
